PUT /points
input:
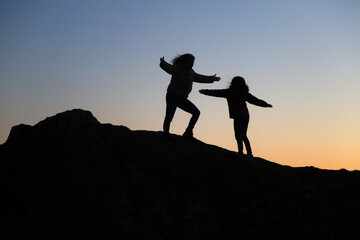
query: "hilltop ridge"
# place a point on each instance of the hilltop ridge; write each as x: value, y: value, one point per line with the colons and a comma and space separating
x: 70, y: 175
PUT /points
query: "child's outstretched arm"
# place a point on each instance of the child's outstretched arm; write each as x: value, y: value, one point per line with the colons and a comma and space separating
x: 214, y: 92
x: 258, y: 102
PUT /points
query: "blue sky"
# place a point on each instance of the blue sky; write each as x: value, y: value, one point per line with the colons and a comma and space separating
x: 301, y: 56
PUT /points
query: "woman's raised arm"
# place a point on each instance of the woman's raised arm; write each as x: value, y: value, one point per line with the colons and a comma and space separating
x: 167, y: 67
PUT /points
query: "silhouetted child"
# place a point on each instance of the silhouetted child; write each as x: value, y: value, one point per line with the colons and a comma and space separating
x: 237, y: 95
x: 182, y: 78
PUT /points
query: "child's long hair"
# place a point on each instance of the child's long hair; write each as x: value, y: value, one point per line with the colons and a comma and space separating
x: 184, y: 58
x: 238, y: 87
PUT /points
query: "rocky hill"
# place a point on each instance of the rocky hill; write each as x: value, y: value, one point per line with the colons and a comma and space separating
x: 70, y: 176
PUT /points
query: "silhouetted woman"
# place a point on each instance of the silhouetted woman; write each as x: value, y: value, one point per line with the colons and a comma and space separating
x: 182, y: 78
x: 237, y: 95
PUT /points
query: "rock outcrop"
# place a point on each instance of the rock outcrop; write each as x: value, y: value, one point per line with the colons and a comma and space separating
x: 70, y: 176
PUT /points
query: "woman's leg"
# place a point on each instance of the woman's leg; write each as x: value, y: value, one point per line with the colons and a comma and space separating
x: 171, y: 105
x: 189, y: 107
x: 172, y: 102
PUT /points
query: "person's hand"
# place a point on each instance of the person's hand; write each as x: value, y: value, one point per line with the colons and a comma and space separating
x: 216, y: 79
x: 269, y: 106
x: 162, y: 59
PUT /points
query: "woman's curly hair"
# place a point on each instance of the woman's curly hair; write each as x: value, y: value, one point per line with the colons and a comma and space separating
x: 184, y: 58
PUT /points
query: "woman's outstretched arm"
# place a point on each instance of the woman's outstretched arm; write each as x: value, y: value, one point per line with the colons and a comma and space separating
x: 258, y: 102
x: 205, y: 79
x: 214, y: 92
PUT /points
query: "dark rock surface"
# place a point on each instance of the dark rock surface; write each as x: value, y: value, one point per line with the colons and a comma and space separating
x: 71, y: 177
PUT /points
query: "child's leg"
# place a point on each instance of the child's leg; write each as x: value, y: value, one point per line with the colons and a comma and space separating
x: 244, y: 135
x: 240, y: 146
x: 238, y: 136
x: 240, y: 128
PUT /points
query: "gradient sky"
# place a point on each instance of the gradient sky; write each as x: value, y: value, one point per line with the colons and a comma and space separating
x: 303, y: 57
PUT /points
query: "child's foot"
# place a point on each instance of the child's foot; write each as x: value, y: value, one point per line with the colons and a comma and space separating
x: 250, y: 155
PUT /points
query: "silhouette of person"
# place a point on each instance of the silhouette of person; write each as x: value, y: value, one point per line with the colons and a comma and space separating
x: 182, y: 78
x: 237, y: 95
